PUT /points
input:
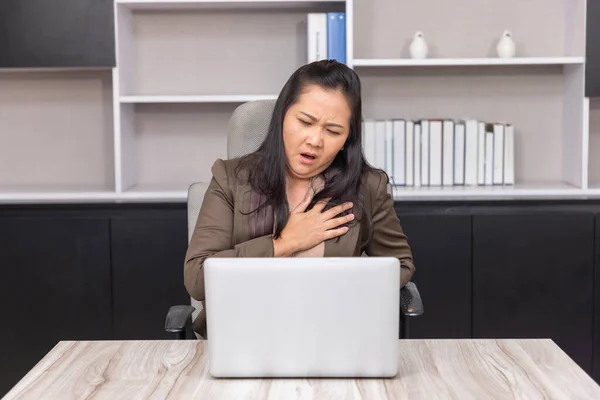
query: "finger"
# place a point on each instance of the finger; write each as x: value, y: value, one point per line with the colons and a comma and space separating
x: 332, y: 233
x: 335, y: 222
x: 300, y: 208
x: 321, y: 204
x: 333, y: 211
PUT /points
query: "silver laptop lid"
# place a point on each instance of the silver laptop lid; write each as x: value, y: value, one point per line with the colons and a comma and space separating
x: 300, y: 317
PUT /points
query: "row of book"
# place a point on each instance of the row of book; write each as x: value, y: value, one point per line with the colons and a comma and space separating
x: 441, y: 152
x: 326, y: 36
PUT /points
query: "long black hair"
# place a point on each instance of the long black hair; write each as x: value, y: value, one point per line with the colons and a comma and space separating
x: 266, y: 167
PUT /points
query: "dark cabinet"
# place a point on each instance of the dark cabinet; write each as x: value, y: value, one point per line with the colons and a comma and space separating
x: 112, y: 272
x: 55, y: 34
x: 55, y: 286
x: 596, y: 354
x: 592, y: 73
x: 148, y: 252
x: 533, y: 275
x: 441, y: 247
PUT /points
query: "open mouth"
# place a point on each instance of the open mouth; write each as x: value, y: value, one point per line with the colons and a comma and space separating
x: 307, y: 158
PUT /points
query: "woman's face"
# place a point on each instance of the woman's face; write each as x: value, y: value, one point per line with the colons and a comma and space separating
x: 315, y: 129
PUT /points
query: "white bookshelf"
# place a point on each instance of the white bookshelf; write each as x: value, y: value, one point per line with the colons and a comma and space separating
x: 154, y: 125
x: 540, y: 91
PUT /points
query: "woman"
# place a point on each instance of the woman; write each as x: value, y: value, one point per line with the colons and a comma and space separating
x: 306, y: 192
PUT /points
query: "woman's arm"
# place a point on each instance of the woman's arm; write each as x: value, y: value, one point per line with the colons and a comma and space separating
x: 213, y: 233
x: 388, y: 238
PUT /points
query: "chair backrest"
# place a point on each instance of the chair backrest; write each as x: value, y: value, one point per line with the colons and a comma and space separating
x: 246, y: 130
x: 248, y: 127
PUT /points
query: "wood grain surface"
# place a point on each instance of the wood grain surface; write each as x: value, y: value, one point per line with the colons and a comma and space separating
x: 429, y: 369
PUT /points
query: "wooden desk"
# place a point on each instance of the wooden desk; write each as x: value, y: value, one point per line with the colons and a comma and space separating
x: 448, y: 369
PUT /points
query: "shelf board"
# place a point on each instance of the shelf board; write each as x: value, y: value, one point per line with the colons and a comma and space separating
x: 449, y: 62
x: 49, y: 194
x: 179, y: 192
x: 497, y: 192
x: 64, y: 196
x: 54, y: 69
x: 224, y: 4
x: 150, y: 192
x: 153, y: 99
x: 160, y: 196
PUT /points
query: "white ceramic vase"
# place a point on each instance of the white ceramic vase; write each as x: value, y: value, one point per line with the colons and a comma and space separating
x: 506, y: 46
x: 418, y: 47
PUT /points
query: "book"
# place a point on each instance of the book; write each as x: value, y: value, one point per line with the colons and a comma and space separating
x: 389, y: 149
x: 410, y: 152
x: 336, y: 36
x: 497, y: 129
x: 481, y: 153
x: 424, y: 152
x: 448, y: 153
x: 471, y: 149
x: 399, y: 151
x: 380, y: 144
x: 489, y: 157
x: 369, y: 142
x: 316, y: 31
x: 435, y: 152
x: 417, y: 154
x: 509, y: 155
x: 459, y: 153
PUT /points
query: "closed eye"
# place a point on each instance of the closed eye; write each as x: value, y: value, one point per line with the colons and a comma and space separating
x: 304, y: 122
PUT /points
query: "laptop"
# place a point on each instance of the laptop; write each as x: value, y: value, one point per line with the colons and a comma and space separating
x: 302, y: 317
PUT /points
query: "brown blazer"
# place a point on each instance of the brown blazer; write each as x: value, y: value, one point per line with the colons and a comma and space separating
x: 223, y: 229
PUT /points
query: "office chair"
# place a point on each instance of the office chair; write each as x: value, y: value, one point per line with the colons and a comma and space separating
x: 247, y: 128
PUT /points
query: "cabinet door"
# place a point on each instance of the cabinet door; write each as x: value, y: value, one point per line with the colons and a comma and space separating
x: 55, y: 286
x: 592, y: 74
x: 59, y: 33
x: 148, y: 256
x: 533, y: 278
x: 441, y: 246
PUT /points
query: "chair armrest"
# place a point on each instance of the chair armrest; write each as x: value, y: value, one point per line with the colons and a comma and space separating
x: 178, y: 319
x: 410, y: 301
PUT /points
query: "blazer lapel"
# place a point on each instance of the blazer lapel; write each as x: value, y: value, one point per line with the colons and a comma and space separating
x: 242, y: 224
x: 345, y: 245
x: 249, y: 223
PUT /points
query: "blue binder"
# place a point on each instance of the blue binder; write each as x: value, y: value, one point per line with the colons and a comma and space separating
x: 336, y: 36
